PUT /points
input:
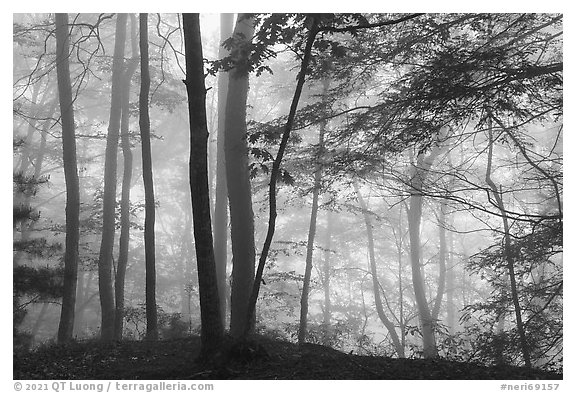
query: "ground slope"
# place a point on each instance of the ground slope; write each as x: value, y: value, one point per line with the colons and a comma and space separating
x: 272, y: 359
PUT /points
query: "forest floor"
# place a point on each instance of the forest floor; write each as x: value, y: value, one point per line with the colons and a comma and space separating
x: 272, y: 359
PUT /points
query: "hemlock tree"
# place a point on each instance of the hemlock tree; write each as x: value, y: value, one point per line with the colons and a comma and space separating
x: 66, y: 326
x: 212, y: 330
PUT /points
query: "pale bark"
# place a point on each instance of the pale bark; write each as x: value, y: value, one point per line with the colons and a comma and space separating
x: 303, y: 326
x: 238, y: 181
x: 427, y: 322
x: 221, y: 199
x: 327, y: 311
x: 441, y: 261
x: 399, y: 348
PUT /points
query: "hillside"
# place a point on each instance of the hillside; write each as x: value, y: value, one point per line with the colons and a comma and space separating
x: 273, y: 359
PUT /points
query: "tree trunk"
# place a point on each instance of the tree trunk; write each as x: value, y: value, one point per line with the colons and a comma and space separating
x: 148, y: 179
x: 450, y: 286
x: 375, y: 283
x: 441, y: 260
x: 313, y: 31
x: 303, y: 328
x: 109, y: 199
x: 327, y: 311
x: 427, y: 322
x: 126, y: 184
x: 238, y: 180
x: 508, y: 252
x: 211, y: 330
x: 66, y: 326
x: 221, y: 200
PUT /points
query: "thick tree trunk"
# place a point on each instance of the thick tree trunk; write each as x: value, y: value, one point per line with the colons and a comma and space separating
x: 375, y: 282
x: 126, y: 185
x: 148, y: 179
x: 221, y: 200
x: 238, y: 181
x: 211, y: 330
x: 66, y: 325
x: 109, y: 199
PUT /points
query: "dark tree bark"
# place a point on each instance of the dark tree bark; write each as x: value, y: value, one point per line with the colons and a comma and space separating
x: 109, y: 199
x: 66, y: 326
x: 238, y: 180
x: 313, y: 31
x: 148, y: 179
x: 211, y: 330
x: 126, y: 185
x: 221, y: 200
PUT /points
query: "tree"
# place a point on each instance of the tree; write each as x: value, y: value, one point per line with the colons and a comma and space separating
x: 109, y: 199
x: 274, y: 174
x: 398, y: 346
x: 211, y: 329
x: 238, y: 176
x: 221, y: 200
x: 508, y: 252
x: 302, y: 330
x: 126, y: 184
x: 417, y: 182
x: 66, y: 326
x: 148, y: 178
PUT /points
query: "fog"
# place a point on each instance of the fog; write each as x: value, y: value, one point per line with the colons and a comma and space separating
x: 419, y: 200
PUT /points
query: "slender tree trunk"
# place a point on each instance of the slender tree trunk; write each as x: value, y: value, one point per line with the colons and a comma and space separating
x: 303, y: 328
x: 221, y: 200
x: 126, y: 185
x: 450, y: 286
x: 148, y: 179
x: 327, y: 312
x: 441, y: 261
x: 109, y: 199
x: 427, y: 321
x: 66, y: 325
x: 212, y: 330
x: 508, y: 252
x: 313, y: 31
x: 238, y: 180
x: 375, y: 283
